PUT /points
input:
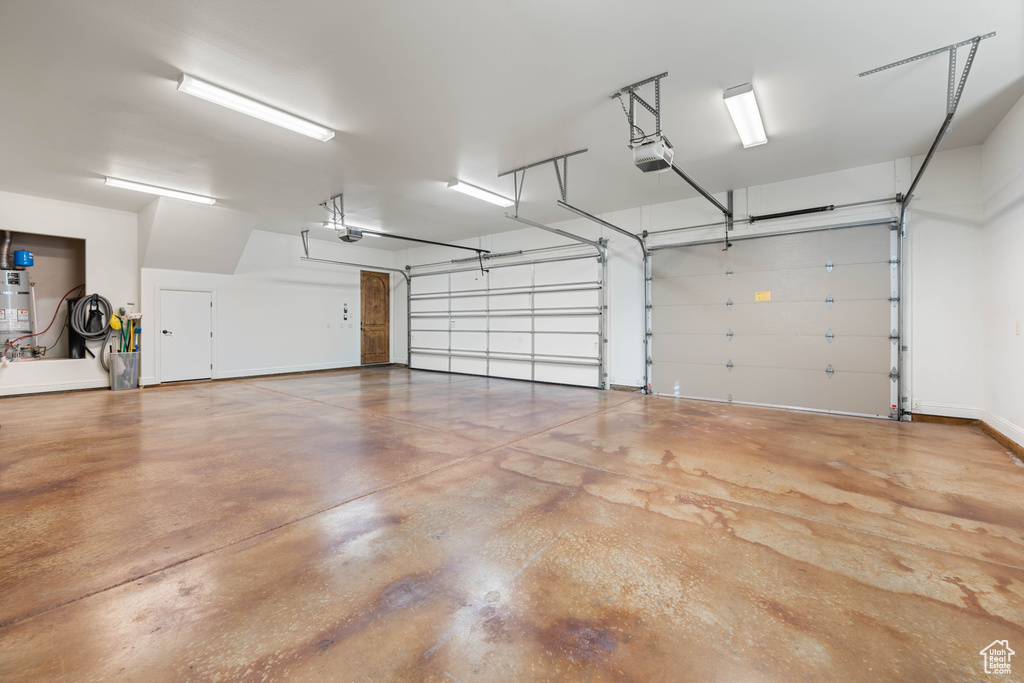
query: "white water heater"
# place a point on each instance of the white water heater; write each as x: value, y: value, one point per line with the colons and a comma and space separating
x: 15, y: 302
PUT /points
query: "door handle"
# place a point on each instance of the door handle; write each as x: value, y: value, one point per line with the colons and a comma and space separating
x: 168, y: 333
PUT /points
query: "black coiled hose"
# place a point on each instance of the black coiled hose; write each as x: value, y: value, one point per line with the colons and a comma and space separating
x: 80, y: 317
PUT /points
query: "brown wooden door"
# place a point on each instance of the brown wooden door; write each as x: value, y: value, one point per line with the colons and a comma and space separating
x: 374, y: 310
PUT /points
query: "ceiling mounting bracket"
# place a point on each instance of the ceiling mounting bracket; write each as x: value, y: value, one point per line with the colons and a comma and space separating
x: 953, y: 95
x: 634, y: 100
x: 954, y: 89
x: 562, y: 174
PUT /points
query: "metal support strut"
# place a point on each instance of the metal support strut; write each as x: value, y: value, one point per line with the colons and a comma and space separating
x: 952, y: 102
x: 335, y: 206
x: 562, y: 174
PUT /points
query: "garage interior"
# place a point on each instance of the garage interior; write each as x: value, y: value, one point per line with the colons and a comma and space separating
x: 687, y: 396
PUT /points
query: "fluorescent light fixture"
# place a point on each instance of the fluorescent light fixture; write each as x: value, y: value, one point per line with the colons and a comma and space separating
x: 745, y: 115
x: 231, y: 100
x: 479, y: 193
x: 162, y: 191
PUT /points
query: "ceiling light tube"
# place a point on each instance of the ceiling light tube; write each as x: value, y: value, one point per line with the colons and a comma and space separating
x: 231, y: 100
x: 162, y: 191
x: 479, y: 193
x: 745, y: 115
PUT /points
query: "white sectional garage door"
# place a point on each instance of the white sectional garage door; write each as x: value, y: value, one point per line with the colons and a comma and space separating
x: 801, y: 320
x: 540, y: 321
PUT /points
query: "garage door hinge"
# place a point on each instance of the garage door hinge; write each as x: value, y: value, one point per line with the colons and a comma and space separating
x: 729, y: 365
x: 829, y: 371
x: 894, y: 374
x: 728, y: 304
x: 894, y: 336
x: 894, y: 299
x: 830, y: 335
x: 893, y: 261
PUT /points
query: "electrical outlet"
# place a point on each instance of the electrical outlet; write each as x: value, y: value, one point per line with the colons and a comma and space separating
x: 915, y: 405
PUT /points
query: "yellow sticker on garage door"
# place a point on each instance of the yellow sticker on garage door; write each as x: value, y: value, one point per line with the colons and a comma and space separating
x: 762, y: 296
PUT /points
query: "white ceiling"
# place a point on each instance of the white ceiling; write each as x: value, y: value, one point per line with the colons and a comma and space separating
x: 424, y: 92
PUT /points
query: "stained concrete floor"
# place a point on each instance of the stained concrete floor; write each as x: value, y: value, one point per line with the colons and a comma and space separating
x: 382, y: 524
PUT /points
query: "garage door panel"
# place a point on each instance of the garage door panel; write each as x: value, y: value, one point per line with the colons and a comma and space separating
x: 691, y: 320
x: 469, y: 341
x: 809, y: 353
x: 509, y: 302
x: 808, y: 319
x: 430, y: 324
x: 790, y: 387
x: 511, y: 369
x: 468, y: 323
x: 511, y: 342
x: 860, y: 281
x: 695, y: 289
x: 474, y: 281
x: 495, y: 314
x: 576, y: 345
x: 469, y: 303
x: 423, y: 361
x: 503, y: 278
x: 566, y: 374
x: 693, y: 348
x: 779, y: 347
x: 551, y: 274
x: 429, y: 284
x: 577, y: 299
x: 517, y: 324
x: 469, y: 366
x: 693, y: 380
x: 429, y: 305
x: 811, y: 249
x: 576, y: 323
x: 862, y: 393
x: 430, y: 340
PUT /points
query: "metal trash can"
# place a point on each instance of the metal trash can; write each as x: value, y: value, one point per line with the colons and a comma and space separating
x: 124, y: 370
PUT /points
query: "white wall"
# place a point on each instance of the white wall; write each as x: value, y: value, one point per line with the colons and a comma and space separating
x: 111, y: 269
x: 1002, y: 288
x: 277, y: 313
x: 946, y: 317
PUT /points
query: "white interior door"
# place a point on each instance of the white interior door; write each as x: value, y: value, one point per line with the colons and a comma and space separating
x: 186, y: 335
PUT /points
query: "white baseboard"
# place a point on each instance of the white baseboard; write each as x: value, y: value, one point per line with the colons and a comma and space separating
x: 1004, y: 427
x: 280, y: 370
x: 949, y: 410
x: 19, y: 390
